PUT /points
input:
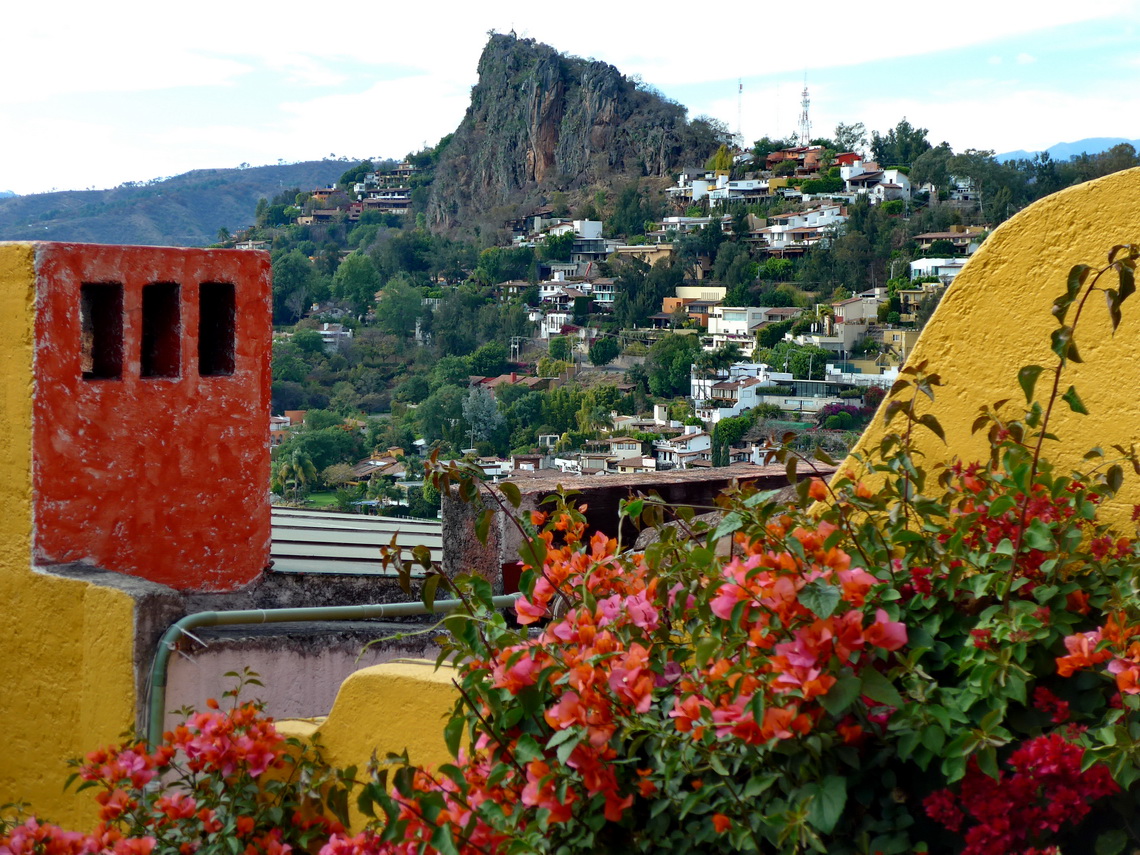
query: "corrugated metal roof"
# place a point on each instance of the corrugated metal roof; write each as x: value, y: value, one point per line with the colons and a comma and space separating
x: 319, y: 542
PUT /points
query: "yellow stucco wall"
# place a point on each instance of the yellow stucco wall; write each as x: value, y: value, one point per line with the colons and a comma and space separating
x: 67, y: 646
x: 385, y: 709
x: 995, y: 318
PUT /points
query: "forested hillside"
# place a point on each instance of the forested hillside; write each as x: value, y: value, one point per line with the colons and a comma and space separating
x: 185, y: 210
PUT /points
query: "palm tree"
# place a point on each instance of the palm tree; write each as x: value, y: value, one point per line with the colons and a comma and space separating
x: 712, y: 362
x: 296, y: 472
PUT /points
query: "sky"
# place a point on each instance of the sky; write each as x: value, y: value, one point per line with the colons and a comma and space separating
x: 96, y: 94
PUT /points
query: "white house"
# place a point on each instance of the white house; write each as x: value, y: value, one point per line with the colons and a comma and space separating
x: 588, y: 229
x: 882, y: 185
x: 552, y: 324
x: 679, y: 451
x: 735, y: 325
x: 742, y: 190
x: 802, y: 228
x: 944, y: 268
x: 731, y: 392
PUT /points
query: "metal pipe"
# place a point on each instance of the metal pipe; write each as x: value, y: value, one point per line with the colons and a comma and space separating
x: 160, y: 666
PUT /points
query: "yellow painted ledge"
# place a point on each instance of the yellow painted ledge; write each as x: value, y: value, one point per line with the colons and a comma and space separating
x: 381, y: 710
x: 996, y: 318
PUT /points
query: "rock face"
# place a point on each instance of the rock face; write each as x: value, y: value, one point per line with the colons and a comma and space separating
x: 541, y: 121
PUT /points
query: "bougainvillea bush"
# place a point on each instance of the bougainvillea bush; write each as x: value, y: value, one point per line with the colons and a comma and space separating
x: 931, y: 660
x: 224, y: 781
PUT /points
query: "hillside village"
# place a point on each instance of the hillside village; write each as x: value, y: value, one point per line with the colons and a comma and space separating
x: 558, y: 290
x: 749, y: 370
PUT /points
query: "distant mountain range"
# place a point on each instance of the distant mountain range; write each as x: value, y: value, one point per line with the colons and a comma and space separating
x: 1065, y: 150
x: 4, y: 194
x: 186, y: 210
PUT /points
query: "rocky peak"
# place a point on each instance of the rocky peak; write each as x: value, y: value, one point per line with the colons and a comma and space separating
x: 541, y: 121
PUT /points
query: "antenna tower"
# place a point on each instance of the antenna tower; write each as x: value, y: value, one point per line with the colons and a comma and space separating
x: 739, y: 109
x: 805, y: 122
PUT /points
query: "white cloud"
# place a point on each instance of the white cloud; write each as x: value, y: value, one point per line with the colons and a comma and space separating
x: 1026, y: 59
x: 128, y: 46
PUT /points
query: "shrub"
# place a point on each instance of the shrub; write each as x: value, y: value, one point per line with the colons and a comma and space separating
x: 923, y: 665
x: 224, y: 781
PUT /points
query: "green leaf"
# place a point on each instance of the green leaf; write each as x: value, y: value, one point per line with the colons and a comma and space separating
x: 824, y: 457
x: 706, y: 647
x: 761, y: 498
x: 482, y: 524
x: 1111, y: 842
x: 1114, y: 477
x: 1112, y: 298
x: 934, y: 426
x: 893, y: 407
x: 1073, y: 400
x: 1127, y: 281
x: 879, y: 688
x: 820, y: 597
x: 1027, y: 377
x: 842, y: 695
x: 1077, y: 276
x: 933, y: 738
x: 1040, y: 536
x: 428, y: 593
x: 1061, y: 307
x: 527, y: 749
x: 1061, y: 341
x: 828, y: 799
x: 453, y: 734
x: 987, y: 761
x: 729, y: 524
x: 791, y: 469
x: 443, y: 841
x: 633, y: 508
x: 511, y: 491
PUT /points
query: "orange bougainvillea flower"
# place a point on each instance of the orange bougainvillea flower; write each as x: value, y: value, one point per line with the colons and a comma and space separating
x: 721, y: 823
x: 818, y: 489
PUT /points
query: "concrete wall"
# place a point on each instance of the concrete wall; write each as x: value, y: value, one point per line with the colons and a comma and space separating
x: 995, y: 318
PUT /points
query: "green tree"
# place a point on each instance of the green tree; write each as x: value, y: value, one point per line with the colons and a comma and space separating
x: 670, y: 364
x: 296, y: 473
x: 630, y: 213
x: 399, y: 305
x: 356, y: 282
x: 931, y: 167
x: 308, y: 341
x: 850, y: 137
x: 292, y: 284
x: 481, y: 412
x: 641, y: 288
x: 451, y: 371
x: 721, y: 161
x: 439, y: 415
x: 766, y: 145
x: 900, y: 146
x: 558, y: 247
x: 287, y: 364
x: 604, y: 350
x: 490, y: 360
x: 560, y: 348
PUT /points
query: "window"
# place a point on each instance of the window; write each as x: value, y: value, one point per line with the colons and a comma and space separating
x: 101, y: 322
x: 216, y: 329
x: 161, y: 330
